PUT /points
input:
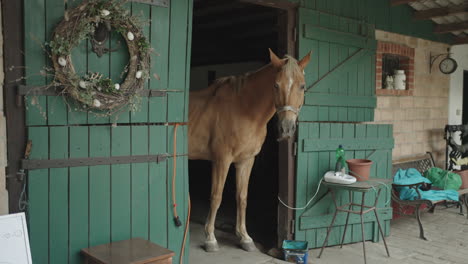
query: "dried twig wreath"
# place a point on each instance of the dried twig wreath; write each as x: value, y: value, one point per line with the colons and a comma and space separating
x: 94, y: 90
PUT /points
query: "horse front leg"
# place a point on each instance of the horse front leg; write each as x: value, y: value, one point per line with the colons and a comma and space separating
x: 218, y: 178
x: 243, y: 170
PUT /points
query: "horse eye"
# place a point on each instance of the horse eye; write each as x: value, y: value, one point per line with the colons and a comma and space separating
x: 276, y: 86
x: 303, y: 87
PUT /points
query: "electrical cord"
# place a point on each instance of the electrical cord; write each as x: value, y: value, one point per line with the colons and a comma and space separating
x: 318, y: 188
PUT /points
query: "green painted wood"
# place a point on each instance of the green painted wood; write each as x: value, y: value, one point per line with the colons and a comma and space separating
x: 79, y: 195
x: 120, y: 185
x: 344, y: 38
x: 56, y: 107
x: 99, y: 187
x: 35, y: 59
x: 38, y: 191
x: 58, y: 197
x: 111, y: 202
x: 340, y: 86
x: 355, y: 144
x: 142, y: 11
x: 159, y: 70
x: 340, y: 100
x: 158, y: 198
x: 320, y: 158
x: 139, y: 184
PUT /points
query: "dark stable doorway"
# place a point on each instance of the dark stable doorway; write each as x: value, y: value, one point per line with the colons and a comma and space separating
x: 230, y: 38
x: 465, y: 99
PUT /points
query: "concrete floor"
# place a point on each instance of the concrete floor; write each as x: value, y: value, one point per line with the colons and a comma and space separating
x: 446, y: 230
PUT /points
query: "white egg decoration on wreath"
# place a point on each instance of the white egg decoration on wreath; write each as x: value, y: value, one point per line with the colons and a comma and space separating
x: 105, y: 12
x: 82, y: 84
x: 130, y: 36
x: 96, y: 103
x: 117, y: 86
x: 62, y: 61
x: 138, y: 74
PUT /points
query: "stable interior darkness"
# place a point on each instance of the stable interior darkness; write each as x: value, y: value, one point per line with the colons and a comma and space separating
x: 230, y: 37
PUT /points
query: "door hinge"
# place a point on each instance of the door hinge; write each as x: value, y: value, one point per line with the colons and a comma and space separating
x: 293, y: 226
x: 295, y: 148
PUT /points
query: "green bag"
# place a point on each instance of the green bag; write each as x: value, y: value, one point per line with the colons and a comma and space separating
x: 443, y: 179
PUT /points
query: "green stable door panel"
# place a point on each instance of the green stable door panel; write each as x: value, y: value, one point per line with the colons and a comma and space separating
x: 341, y: 75
x: 317, y: 143
x: 78, y: 207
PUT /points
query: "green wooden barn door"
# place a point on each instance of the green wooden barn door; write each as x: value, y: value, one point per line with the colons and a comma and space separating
x: 317, y: 143
x: 76, y: 207
x: 341, y: 75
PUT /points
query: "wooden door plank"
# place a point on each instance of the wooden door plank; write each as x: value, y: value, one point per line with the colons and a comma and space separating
x: 120, y: 185
x: 79, y: 195
x: 38, y: 191
x: 58, y: 197
x: 118, y: 62
x: 160, y: 62
x: 178, y: 48
x: 99, y: 187
x: 98, y: 65
x: 35, y: 59
x: 139, y: 200
x: 175, y: 111
x: 143, y: 12
x: 158, y: 213
x: 301, y: 178
x: 56, y: 107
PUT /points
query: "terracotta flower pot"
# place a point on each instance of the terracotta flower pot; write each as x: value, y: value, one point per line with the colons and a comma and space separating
x: 359, y: 168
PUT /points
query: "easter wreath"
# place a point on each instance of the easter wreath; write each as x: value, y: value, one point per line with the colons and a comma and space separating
x: 94, y: 90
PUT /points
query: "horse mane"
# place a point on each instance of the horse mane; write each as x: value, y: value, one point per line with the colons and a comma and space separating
x: 236, y: 82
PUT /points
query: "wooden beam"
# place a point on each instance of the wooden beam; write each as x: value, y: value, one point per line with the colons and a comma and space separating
x: 447, y: 28
x: 460, y: 41
x: 401, y: 2
x: 439, y: 12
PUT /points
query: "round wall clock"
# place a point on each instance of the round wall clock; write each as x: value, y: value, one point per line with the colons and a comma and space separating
x: 448, y: 65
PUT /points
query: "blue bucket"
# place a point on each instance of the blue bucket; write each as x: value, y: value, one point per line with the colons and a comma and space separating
x: 295, y: 251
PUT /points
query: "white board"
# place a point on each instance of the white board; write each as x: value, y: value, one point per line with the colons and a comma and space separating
x: 14, y: 242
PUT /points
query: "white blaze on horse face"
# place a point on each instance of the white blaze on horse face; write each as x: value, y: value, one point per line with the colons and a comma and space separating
x: 290, y: 85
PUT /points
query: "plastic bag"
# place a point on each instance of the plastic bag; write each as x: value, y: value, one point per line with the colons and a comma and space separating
x: 443, y: 179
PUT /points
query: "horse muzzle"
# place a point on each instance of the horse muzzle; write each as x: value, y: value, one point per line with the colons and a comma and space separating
x: 287, y: 128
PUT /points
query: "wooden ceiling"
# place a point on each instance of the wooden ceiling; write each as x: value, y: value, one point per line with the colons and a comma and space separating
x: 451, y: 16
x: 226, y: 31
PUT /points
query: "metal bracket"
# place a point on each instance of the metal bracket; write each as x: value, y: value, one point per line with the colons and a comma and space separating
x: 80, y: 162
x: 163, y: 3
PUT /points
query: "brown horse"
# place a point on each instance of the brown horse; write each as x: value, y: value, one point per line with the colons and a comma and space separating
x: 228, y: 124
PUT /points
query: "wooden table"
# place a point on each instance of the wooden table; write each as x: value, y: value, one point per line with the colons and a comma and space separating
x: 133, y: 251
x: 362, y: 187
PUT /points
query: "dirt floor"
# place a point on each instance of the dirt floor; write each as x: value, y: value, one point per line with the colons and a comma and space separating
x: 446, y: 230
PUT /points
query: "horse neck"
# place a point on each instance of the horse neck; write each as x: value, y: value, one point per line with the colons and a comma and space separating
x: 258, y: 95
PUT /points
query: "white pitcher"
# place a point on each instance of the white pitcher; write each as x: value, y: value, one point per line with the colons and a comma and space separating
x: 399, y: 80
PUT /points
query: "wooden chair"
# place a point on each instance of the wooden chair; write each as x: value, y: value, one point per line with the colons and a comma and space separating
x: 421, y: 163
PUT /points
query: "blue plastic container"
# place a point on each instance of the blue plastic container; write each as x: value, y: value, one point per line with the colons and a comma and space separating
x: 295, y: 251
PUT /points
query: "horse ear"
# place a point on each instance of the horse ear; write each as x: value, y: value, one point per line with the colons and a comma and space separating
x: 304, y: 61
x: 275, y: 60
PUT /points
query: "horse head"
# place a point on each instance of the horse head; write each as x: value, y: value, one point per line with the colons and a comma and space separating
x: 288, y: 88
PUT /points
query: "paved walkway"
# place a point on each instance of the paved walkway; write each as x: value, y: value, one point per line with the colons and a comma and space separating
x: 446, y: 230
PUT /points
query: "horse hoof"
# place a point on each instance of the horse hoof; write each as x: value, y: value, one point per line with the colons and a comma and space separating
x: 211, y: 246
x: 248, y: 246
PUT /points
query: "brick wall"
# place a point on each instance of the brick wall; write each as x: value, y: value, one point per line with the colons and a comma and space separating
x: 418, y: 120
